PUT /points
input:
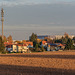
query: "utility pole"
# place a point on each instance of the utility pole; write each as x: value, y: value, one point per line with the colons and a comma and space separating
x: 2, y: 19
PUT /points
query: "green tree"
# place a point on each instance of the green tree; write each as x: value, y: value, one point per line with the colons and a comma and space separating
x: 18, y: 42
x: 9, y: 38
x: 34, y: 43
x: 74, y: 39
x: 63, y: 40
x: 42, y: 48
x: 2, y: 47
x: 36, y: 47
x: 5, y: 39
x: 69, y: 45
x: 58, y: 41
x: 33, y: 37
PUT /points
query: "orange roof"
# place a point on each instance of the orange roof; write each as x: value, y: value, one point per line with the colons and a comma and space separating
x: 8, y: 43
x: 60, y: 44
x: 43, y: 42
x: 31, y: 43
x: 25, y: 43
x: 21, y: 45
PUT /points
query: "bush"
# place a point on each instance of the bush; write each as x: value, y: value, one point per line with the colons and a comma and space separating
x: 69, y: 45
x: 38, y: 50
x: 42, y: 49
x: 2, y: 47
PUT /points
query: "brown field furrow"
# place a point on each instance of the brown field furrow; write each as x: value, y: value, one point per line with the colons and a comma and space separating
x: 45, y: 63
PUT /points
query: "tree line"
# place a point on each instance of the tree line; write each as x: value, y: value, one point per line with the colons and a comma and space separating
x: 2, y: 40
x: 68, y: 42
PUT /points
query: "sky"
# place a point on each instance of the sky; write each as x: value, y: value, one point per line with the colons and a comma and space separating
x: 43, y: 17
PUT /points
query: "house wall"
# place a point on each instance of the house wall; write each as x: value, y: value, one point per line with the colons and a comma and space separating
x: 22, y: 48
x: 17, y: 48
x: 14, y: 48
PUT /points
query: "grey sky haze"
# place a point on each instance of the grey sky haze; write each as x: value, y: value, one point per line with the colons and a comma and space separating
x: 39, y: 16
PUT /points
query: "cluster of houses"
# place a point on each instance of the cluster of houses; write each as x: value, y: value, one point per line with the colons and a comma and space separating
x: 25, y: 47
x: 15, y: 47
x: 52, y: 46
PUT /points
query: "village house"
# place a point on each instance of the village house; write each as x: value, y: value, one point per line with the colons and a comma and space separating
x: 42, y: 37
x: 57, y: 46
x: 10, y: 47
x: 44, y: 43
x: 22, y: 48
x: 29, y: 44
x: 52, y: 46
x: 48, y: 47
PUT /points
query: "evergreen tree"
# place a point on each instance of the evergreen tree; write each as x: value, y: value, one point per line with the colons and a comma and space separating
x: 69, y: 45
x: 42, y: 48
x: 36, y: 47
x: 58, y: 41
x: 5, y: 39
x: 34, y: 43
x: 63, y: 40
x: 2, y: 47
x: 74, y: 39
x: 33, y: 37
x: 9, y: 38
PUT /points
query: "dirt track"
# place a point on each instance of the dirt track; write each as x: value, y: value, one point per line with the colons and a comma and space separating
x: 46, y: 63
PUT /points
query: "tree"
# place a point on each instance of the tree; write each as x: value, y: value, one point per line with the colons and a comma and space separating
x: 2, y: 47
x: 34, y: 43
x: 49, y: 40
x: 9, y: 38
x: 66, y: 35
x: 63, y: 40
x: 33, y: 37
x: 58, y: 41
x: 69, y: 45
x: 23, y: 41
x: 36, y: 47
x: 74, y: 39
x: 18, y: 42
x: 42, y: 48
x: 5, y: 39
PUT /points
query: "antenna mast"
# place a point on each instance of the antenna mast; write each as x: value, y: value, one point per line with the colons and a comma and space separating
x: 2, y: 19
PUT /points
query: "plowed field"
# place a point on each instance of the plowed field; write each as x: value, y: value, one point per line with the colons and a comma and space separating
x: 44, y: 63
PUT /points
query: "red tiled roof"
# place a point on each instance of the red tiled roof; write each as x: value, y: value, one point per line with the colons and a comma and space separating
x: 61, y: 44
x: 25, y: 43
x: 8, y: 43
x: 28, y: 43
x: 43, y: 42
x: 21, y: 45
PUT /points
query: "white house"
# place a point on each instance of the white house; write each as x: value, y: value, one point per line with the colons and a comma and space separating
x: 17, y: 48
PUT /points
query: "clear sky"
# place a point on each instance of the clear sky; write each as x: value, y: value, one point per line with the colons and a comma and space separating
x: 22, y: 17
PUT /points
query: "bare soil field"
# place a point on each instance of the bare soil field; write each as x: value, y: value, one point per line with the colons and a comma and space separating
x: 43, y: 63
